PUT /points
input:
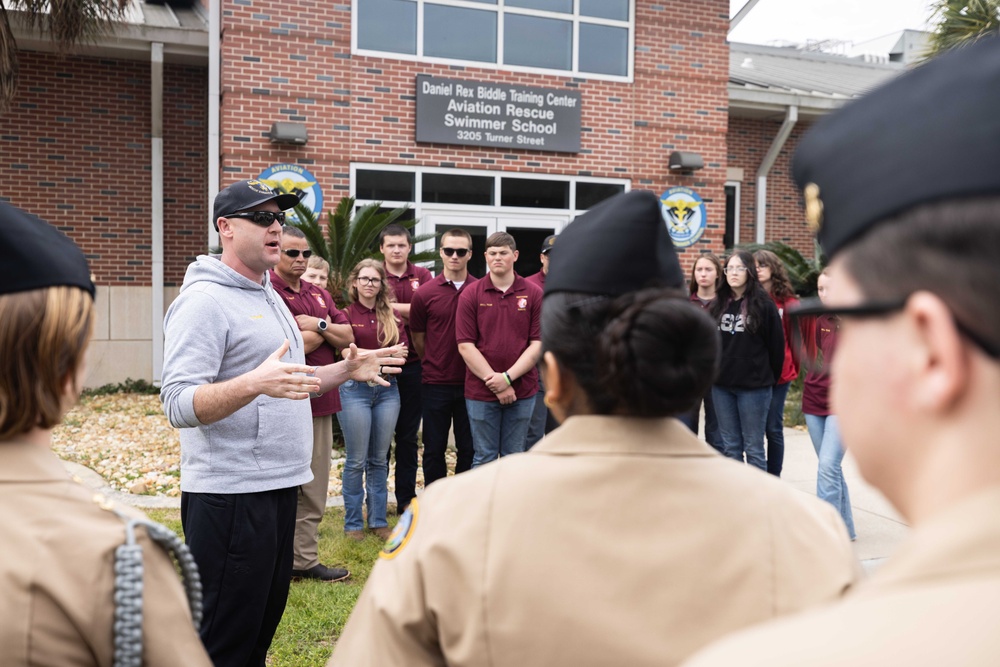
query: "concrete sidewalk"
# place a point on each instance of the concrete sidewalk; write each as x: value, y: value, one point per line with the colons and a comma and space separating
x: 877, y: 524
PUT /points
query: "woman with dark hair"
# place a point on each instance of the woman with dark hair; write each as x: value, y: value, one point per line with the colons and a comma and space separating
x: 774, y: 278
x: 753, y: 351
x: 706, y: 277
x: 85, y: 582
x: 620, y: 538
x: 369, y: 411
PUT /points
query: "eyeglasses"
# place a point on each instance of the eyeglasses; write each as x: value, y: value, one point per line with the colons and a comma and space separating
x: 814, y: 308
x: 734, y: 269
x: 262, y: 218
x: 461, y: 252
x: 293, y: 253
x: 365, y: 280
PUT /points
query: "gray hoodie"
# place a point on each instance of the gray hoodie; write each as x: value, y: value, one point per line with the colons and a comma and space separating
x: 221, y: 326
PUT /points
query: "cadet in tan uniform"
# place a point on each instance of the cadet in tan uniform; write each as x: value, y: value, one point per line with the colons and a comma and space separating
x: 905, y: 185
x: 620, y: 539
x: 83, y: 582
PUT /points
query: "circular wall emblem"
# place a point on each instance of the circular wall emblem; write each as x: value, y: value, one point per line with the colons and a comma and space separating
x: 684, y: 213
x: 298, y: 180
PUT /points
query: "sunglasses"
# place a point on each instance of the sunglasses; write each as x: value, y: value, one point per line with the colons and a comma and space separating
x: 293, y: 253
x: 805, y: 314
x: 461, y: 252
x: 262, y: 218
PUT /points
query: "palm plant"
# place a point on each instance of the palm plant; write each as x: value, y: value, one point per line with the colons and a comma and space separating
x: 802, y: 271
x: 352, y: 236
x: 962, y: 22
x: 66, y: 22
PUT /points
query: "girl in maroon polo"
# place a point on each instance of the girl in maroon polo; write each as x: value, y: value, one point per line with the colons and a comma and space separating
x: 706, y: 276
x: 369, y: 412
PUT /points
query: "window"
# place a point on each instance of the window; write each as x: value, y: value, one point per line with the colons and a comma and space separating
x: 534, y: 193
x: 589, y: 195
x: 385, y: 185
x: 457, y: 189
x: 586, y: 37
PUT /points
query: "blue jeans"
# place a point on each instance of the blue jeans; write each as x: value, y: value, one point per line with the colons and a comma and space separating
x: 367, y: 419
x: 775, y: 429
x: 443, y: 409
x: 541, y: 423
x: 830, y: 484
x: 742, y: 415
x: 712, y: 435
x: 498, y: 430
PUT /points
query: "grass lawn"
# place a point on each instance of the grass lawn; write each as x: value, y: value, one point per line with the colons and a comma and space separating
x: 316, y: 611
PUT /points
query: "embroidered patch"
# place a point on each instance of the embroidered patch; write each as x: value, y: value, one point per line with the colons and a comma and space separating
x: 402, y: 532
x: 414, y: 283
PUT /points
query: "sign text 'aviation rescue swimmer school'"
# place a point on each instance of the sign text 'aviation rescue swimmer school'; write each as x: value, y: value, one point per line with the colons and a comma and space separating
x: 481, y: 113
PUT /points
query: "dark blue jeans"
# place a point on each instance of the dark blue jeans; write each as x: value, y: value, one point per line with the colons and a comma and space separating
x: 443, y: 407
x: 542, y: 422
x: 775, y: 429
x: 712, y: 435
x: 742, y: 415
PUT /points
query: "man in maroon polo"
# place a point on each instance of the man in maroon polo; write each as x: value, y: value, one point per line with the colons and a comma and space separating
x: 541, y: 420
x: 404, y: 279
x: 324, y: 330
x: 432, y: 325
x: 498, y: 330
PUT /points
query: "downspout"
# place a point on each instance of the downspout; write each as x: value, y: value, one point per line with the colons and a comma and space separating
x: 156, y: 114
x: 791, y: 117
x: 214, y: 95
x: 740, y: 15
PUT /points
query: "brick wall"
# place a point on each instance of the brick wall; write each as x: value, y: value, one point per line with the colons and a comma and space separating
x: 295, y: 64
x: 749, y: 140
x: 75, y: 149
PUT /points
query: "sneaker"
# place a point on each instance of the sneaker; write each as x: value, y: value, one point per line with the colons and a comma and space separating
x: 383, y: 533
x: 322, y: 573
x: 356, y: 535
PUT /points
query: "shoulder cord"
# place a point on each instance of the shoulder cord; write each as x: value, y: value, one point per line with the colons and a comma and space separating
x: 129, y: 587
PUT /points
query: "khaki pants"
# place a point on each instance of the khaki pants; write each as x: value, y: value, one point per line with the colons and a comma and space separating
x: 312, y: 497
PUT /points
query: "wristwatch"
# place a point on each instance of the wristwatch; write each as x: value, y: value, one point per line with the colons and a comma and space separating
x: 321, y: 325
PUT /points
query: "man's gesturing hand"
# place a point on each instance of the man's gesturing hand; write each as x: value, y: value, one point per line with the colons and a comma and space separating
x: 278, y: 379
x: 370, y: 365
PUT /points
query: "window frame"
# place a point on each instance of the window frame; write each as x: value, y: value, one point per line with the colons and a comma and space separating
x: 575, y: 18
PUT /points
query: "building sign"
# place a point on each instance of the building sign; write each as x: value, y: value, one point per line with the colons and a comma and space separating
x: 298, y: 180
x: 481, y: 113
x: 684, y: 213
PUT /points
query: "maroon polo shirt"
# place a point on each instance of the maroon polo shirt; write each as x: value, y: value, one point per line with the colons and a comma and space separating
x: 816, y: 389
x: 501, y: 325
x: 364, y: 323
x: 315, y: 302
x: 537, y: 279
x: 403, y: 287
x: 432, y: 313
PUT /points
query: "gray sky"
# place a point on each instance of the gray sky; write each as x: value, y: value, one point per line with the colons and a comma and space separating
x: 863, y: 22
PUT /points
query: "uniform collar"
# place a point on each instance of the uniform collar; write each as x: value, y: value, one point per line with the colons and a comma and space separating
x: 408, y: 272
x: 599, y: 434
x: 22, y: 462
x: 961, y: 541
x: 518, y: 283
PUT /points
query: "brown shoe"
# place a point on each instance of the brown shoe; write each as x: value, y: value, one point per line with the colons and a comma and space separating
x: 383, y: 533
x: 356, y: 535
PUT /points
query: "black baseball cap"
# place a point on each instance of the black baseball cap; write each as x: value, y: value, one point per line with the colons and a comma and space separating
x: 548, y: 243
x: 619, y: 246
x: 34, y: 255
x: 932, y: 134
x: 243, y: 195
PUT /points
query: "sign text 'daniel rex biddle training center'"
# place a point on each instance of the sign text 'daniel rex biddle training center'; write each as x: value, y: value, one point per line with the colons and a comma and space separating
x: 482, y: 113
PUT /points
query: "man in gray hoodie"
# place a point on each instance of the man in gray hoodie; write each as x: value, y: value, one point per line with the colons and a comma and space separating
x: 233, y: 356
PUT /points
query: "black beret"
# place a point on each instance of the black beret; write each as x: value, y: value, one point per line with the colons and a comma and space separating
x: 619, y: 246
x: 34, y: 254
x: 931, y: 134
x: 243, y: 195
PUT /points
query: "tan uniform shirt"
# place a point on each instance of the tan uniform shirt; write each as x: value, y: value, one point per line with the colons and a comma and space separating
x: 612, y: 542
x: 936, y: 602
x: 57, y: 578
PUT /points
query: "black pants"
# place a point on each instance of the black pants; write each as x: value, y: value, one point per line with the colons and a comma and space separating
x: 406, y: 433
x: 444, y: 405
x: 242, y: 544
